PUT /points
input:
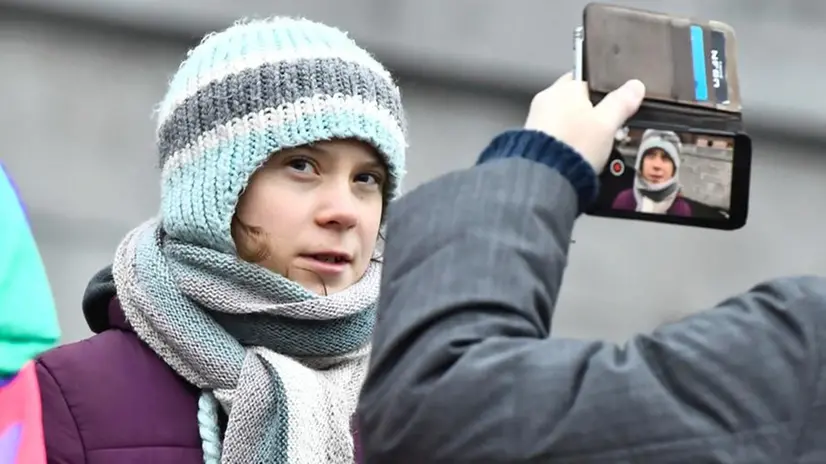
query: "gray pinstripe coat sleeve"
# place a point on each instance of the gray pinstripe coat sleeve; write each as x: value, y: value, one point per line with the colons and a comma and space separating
x: 463, y: 369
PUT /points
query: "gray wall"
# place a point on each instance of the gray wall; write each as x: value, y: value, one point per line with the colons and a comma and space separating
x: 76, y: 133
x: 706, y: 175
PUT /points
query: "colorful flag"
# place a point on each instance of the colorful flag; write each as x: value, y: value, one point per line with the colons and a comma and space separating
x: 28, y: 327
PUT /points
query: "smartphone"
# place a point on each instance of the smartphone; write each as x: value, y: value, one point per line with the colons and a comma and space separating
x: 685, y: 157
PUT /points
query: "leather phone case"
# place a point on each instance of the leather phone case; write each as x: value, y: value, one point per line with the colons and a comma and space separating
x: 699, y: 89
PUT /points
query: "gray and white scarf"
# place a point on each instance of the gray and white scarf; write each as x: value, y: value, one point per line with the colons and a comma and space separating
x: 285, y: 364
x: 660, y: 196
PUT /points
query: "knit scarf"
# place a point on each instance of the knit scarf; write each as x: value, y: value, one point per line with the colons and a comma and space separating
x: 662, y: 195
x: 284, y: 363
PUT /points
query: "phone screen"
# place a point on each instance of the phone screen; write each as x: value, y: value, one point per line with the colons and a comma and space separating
x: 654, y: 172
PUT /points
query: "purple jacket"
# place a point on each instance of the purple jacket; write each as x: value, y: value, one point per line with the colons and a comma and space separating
x: 625, y: 201
x: 111, y: 399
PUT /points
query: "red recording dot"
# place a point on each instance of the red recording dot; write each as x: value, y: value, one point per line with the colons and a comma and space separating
x: 617, y: 167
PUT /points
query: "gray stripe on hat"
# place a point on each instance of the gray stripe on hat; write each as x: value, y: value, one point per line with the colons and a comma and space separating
x: 270, y: 86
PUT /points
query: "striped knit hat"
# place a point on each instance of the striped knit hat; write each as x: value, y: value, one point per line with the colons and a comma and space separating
x: 252, y: 90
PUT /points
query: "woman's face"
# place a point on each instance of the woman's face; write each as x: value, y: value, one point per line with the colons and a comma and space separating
x: 657, y: 166
x: 318, y: 210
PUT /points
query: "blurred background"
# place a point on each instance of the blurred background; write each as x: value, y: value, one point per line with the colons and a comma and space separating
x: 79, y: 79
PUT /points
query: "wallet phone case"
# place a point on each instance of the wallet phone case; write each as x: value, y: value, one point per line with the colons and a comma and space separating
x: 699, y: 90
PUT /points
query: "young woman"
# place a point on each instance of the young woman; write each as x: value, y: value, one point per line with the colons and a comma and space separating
x: 656, y: 187
x: 235, y: 327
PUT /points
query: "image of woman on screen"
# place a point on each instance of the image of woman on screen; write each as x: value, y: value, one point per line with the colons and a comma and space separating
x: 657, y: 186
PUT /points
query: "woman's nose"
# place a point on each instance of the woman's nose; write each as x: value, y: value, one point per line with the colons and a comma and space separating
x: 339, y: 209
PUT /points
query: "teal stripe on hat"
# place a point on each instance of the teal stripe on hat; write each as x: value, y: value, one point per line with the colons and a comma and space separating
x: 199, y: 197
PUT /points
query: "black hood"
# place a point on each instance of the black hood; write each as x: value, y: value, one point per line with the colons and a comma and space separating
x: 96, y: 299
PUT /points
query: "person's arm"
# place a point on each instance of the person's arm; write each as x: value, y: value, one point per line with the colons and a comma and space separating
x: 464, y: 370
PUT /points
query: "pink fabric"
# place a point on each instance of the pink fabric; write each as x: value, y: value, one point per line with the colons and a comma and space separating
x: 21, y: 425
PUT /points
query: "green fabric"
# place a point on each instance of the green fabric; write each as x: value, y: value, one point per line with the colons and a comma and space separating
x: 28, y: 320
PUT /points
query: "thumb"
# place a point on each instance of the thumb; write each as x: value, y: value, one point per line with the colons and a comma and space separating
x: 567, y: 77
x: 560, y: 82
x: 621, y: 104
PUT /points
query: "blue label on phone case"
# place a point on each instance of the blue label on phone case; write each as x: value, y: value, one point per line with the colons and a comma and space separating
x: 699, y: 64
x: 717, y: 66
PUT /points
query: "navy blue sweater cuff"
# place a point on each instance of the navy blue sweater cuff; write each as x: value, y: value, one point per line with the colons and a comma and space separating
x: 542, y: 148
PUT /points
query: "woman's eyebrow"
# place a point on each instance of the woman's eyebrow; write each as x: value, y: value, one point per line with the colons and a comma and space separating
x: 316, y: 149
x: 375, y: 164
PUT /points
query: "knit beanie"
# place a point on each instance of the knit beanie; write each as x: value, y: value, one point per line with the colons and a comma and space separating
x: 254, y: 89
x: 667, y: 141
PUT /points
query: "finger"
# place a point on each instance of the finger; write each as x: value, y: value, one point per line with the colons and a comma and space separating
x: 621, y: 104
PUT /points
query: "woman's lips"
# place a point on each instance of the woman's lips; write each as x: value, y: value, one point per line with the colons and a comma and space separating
x: 325, y: 265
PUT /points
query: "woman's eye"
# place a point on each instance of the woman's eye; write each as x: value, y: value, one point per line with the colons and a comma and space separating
x: 301, y: 165
x: 368, y: 178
